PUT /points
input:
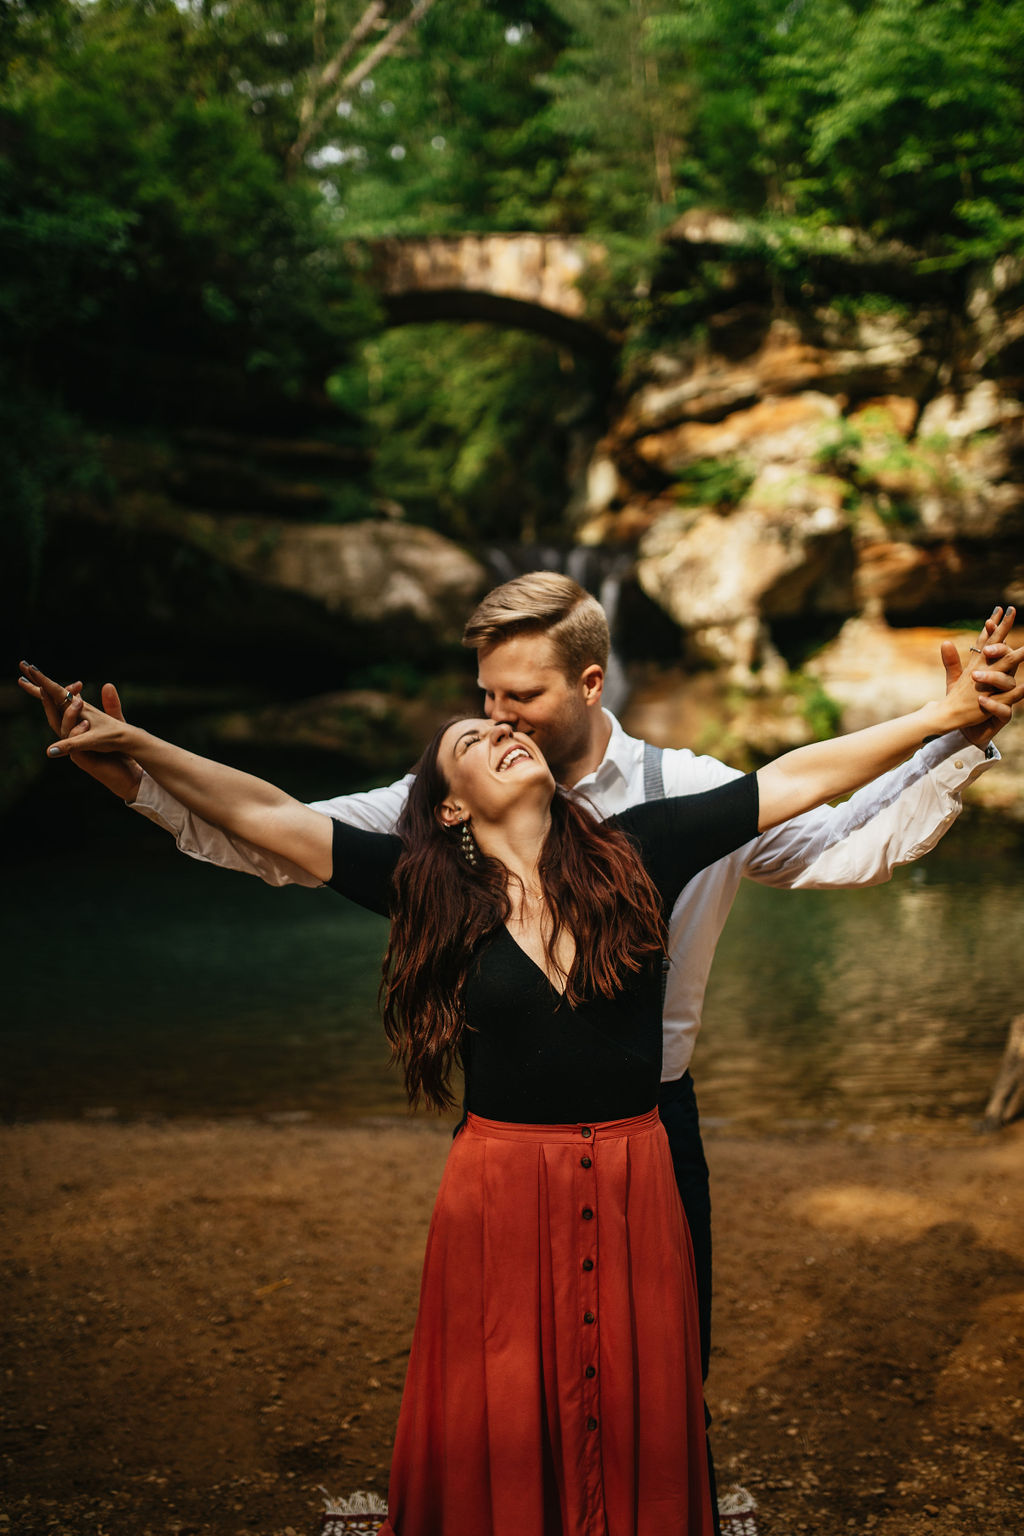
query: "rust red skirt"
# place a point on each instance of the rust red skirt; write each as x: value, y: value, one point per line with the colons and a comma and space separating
x: 554, y: 1384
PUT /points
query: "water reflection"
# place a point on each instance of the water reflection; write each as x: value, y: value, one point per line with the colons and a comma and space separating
x: 868, y: 1004
x: 144, y: 983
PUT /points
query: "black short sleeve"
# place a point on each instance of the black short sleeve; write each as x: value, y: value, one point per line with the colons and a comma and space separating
x: 685, y: 833
x: 364, y: 863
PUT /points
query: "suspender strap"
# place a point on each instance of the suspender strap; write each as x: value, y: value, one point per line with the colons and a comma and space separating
x: 654, y: 780
x: 654, y: 789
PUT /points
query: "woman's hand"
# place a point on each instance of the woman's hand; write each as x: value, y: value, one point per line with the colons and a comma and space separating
x: 65, y: 712
x: 92, y: 730
x: 991, y: 673
x: 240, y: 803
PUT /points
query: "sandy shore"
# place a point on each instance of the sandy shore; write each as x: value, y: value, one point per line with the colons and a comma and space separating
x: 205, y: 1322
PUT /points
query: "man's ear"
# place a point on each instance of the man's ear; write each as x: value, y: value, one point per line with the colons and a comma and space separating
x: 448, y: 813
x: 592, y: 684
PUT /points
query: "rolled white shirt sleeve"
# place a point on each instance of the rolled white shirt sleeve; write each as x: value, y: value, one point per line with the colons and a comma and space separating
x: 894, y: 820
x: 376, y: 810
x: 891, y: 821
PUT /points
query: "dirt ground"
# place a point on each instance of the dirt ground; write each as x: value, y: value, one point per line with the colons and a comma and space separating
x: 203, y: 1323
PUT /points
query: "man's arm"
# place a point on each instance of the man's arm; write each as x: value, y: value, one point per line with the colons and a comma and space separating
x: 376, y: 810
x: 894, y: 820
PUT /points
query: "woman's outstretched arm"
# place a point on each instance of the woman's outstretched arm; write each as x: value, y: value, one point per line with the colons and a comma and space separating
x: 240, y: 803
x: 812, y: 775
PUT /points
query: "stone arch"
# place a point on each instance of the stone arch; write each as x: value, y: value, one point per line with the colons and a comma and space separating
x: 526, y: 281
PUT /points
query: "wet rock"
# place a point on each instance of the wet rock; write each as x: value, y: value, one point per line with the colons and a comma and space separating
x: 787, y: 548
x: 376, y: 573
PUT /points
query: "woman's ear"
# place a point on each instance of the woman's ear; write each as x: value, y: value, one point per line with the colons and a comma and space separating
x: 448, y: 813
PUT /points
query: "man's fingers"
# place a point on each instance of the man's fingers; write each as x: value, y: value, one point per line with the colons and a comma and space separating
x: 986, y: 680
x: 111, y: 702
x: 950, y: 661
x: 71, y: 717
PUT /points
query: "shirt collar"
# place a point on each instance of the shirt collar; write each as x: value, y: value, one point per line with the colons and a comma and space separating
x: 619, y: 761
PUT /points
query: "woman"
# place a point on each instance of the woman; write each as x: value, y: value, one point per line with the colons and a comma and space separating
x: 554, y: 1383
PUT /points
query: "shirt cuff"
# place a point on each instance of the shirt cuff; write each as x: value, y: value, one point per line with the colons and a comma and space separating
x: 154, y: 802
x: 954, y: 762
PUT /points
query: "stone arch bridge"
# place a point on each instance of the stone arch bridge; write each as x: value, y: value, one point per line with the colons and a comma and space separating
x: 527, y: 281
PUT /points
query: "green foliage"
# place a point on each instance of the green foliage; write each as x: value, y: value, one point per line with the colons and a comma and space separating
x: 46, y: 456
x: 900, y: 118
x: 159, y: 229
x: 719, y: 483
x: 883, y: 470
x: 840, y: 448
x: 823, y: 714
x: 450, y: 135
x: 471, y: 427
x: 158, y: 265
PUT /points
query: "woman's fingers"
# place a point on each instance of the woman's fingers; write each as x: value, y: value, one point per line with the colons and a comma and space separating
x: 75, y: 742
x: 89, y: 730
x: 1003, y: 626
x: 53, y: 696
x: 994, y: 631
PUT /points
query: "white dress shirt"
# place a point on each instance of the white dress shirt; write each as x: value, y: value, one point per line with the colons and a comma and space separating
x: 889, y: 822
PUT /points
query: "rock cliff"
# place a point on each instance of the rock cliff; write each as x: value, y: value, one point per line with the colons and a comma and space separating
x: 863, y: 454
x: 786, y: 471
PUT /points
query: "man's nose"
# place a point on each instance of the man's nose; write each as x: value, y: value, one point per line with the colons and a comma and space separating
x: 501, y: 710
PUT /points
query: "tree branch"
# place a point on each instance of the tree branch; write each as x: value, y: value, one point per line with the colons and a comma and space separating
x: 317, y: 116
x: 318, y: 78
x: 362, y: 28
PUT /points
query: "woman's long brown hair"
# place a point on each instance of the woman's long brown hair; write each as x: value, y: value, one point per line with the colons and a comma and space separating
x: 595, y: 886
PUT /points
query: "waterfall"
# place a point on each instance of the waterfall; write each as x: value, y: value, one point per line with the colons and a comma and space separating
x: 599, y: 569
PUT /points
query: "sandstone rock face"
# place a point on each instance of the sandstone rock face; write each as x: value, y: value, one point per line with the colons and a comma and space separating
x: 783, y: 430
x: 786, y: 549
x: 842, y: 461
x: 375, y: 573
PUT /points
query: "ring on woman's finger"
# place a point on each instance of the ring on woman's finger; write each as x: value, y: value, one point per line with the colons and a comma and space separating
x: 69, y: 696
x: 976, y: 648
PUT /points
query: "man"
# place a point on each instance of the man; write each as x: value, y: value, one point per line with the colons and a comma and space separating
x: 543, y: 643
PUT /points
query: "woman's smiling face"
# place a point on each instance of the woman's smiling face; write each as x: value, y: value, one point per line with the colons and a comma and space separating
x: 488, y: 766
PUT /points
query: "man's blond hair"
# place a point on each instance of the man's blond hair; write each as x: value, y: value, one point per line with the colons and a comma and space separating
x: 543, y: 603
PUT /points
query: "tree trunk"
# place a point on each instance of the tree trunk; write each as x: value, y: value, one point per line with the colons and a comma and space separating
x: 1007, y: 1101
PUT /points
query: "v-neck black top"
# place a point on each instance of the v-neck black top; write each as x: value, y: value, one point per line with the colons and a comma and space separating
x: 528, y: 1056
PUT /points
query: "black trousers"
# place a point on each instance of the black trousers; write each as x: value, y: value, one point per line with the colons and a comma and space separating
x: 677, y: 1105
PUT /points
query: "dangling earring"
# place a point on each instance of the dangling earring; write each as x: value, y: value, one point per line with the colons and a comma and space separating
x: 467, y: 844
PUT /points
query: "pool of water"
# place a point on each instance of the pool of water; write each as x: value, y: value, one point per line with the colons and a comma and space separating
x: 139, y: 982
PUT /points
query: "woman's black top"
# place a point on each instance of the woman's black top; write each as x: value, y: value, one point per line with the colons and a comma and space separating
x: 529, y: 1056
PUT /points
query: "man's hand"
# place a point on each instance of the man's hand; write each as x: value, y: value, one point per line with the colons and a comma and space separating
x: 1000, y: 688
x: 63, y: 710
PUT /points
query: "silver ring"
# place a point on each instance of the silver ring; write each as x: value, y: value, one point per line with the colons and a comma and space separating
x: 69, y: 696
x: 977, y: 649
